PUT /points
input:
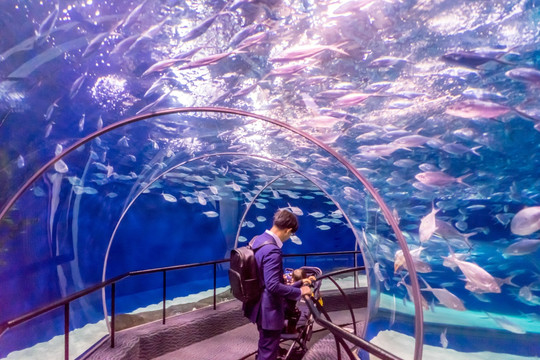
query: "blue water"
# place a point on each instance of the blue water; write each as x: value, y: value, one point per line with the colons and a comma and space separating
x: 172, y: 189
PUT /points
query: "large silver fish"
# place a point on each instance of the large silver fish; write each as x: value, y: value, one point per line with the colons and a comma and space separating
x: 526, y: 221
x: 478, y: 280
x: 445, y: 297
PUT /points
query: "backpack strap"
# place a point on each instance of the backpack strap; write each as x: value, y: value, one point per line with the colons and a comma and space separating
x: 261, y: 245
x: 267, y: 242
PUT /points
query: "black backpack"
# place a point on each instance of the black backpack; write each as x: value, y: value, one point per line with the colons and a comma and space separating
x: 244, y: 274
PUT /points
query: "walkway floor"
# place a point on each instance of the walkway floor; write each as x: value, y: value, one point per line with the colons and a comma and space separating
x: 241, y: 343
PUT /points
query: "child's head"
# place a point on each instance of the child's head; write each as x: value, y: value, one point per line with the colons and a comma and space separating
x: 298, y: 274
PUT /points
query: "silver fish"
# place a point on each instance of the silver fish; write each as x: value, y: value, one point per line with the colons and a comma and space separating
x: 387, y: 61
x: 522, y: 247
x: 473, y: 108
x: 33, y: 64
x: 428, y: 225
x: 459, y: 149
x: 77, y: 84
x: 48, y: 24
x: 202, y: 28
x: 20, y: 162
x: 162, y: 65
x: 478, y: 280
x: 95, y: 43
x: 526, y: 221
x: 210, y: 214
x: 411, y: 141
x: 449, y: 233
x: 425, y: 305
x: 528, y: 75
x: 506, y: 324
x: 132, y: 16
x: 124, y: 45
x: 352, y: 99
x: 305, y: 51
x: 439, y: 178
x: 209, y: 60
x: 443, y: 339
x: 419, y: 265
x: 376, y: 151
x: 445, y: 297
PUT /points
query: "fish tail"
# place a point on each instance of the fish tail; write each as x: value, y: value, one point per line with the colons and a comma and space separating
x: 337, y: 49
x: 473, y: 150
x: 508, y: 281
x: 460, y: 179
x: 526, y: 116
x: 239, y: 51
x: 504, y: 62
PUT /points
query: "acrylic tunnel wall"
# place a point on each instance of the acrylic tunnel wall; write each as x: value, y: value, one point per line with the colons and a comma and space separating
x: 89, y: 222
x: 433, y: 102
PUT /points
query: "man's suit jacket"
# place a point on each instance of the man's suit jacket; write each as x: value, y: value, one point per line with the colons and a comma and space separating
x: 268, y: 310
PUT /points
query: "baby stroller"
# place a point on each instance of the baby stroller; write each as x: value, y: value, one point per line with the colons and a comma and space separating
x: 299, y: 320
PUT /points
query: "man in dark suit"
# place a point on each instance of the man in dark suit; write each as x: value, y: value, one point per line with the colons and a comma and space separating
x: 268, y: 312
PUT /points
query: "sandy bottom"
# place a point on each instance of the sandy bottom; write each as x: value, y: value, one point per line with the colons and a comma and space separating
x: 403, y: 346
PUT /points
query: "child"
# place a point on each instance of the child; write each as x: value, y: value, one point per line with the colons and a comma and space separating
x: 296, y: 318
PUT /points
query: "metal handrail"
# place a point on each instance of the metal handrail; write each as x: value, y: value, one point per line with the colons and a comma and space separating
x: 67, y: 300
x: 342, y: 334
x: 348, y: 252
x: 347, y: 300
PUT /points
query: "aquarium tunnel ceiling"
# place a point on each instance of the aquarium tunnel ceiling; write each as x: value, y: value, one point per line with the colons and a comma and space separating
x: 140, y: 134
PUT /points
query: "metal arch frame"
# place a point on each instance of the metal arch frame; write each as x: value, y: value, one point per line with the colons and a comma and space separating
x: 419, y: 316
x: 310, y: 179
x: 251, y: 203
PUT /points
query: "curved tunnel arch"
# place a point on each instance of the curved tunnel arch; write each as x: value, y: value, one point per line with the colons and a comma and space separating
x: 163, y: 174
x: 418, y: 312
x: 309, y: 179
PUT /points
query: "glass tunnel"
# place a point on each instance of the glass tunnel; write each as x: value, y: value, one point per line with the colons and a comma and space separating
x: 146, y: 134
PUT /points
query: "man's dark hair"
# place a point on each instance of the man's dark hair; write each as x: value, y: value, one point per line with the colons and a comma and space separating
x: 284, y: 219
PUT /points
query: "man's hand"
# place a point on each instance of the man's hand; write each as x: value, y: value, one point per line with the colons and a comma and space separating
x: 308, y: 280
x: 306, y: 290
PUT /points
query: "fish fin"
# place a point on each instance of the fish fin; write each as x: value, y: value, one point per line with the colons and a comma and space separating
x: 428, y: 288
x: 467, y: 236
x: 452, y: 253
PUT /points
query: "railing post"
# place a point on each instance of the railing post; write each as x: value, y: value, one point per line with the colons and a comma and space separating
x: 164, y: 293
x: 113, y: 304
x: 355, y: 273
x: 215, y: 284
x: 66, y: 331
x: 305, y: 260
